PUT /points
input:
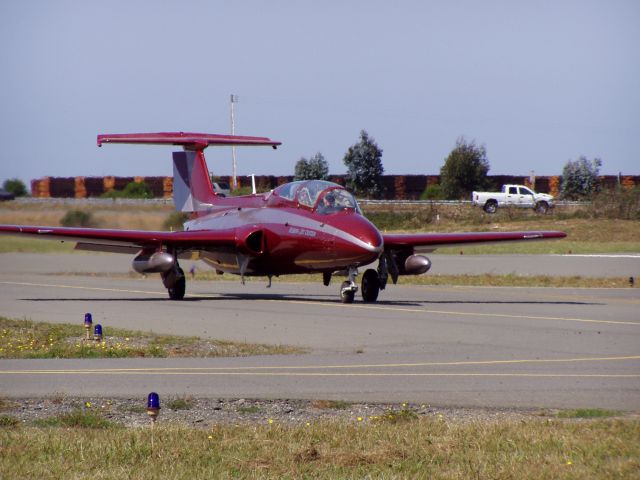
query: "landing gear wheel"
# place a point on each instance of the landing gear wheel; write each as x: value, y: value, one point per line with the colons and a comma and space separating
x: 491, y: 206
x: 542, y: 207
x: 346, y: 294
x: 370, y: 286
x: 179, y: 288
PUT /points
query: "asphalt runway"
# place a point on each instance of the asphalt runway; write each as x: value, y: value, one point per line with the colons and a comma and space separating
x: 445, y: 346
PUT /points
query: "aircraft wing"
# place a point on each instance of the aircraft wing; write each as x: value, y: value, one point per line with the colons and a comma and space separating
x: 125, y: 241
x: 428, y: 242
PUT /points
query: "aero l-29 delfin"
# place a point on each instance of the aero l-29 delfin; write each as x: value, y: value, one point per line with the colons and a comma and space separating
x: 300, y: 227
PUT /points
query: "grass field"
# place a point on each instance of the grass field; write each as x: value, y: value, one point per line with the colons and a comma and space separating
x: 585, y: 235
x: 27, y: 339
x: 397, y: 445
x: 492, y: 280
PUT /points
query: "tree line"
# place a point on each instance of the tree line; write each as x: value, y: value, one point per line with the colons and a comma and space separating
x: 465, y: 169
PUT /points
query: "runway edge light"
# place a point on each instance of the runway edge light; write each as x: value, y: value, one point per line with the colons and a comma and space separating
x: 88, y: 321
x: 97, y: 332
x: 153, y: 405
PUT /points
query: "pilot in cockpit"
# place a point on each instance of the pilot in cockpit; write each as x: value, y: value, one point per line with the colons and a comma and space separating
x: 327, y: 204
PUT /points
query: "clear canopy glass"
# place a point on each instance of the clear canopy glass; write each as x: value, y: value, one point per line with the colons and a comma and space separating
x: 325, y: 197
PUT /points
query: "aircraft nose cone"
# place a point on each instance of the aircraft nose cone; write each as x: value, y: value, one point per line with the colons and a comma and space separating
x: 372, y: 237
x: 368, y: 234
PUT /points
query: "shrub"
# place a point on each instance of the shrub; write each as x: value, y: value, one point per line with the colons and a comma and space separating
x: 131, y: 190
x: 76, y: 419
x: 241, y: 191
x: 432, y: 192
x: 7, y: 421
x: 78, y: 218
x: 15, y: 186
x: 175, y: 221
x: 580, y: 178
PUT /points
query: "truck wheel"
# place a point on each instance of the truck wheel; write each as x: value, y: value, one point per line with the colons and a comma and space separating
x: 542, y: 207
x: 491, y: 206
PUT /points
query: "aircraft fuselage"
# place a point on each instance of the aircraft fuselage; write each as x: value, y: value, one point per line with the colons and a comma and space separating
x: 275, y: 241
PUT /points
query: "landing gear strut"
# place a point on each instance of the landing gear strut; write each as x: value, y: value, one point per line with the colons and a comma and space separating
x: 349, y: 288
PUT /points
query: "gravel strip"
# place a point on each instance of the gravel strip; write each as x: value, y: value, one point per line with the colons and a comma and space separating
x: 206, y: 412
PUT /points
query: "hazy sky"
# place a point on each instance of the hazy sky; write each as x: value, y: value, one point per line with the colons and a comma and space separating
x: 537, y: 82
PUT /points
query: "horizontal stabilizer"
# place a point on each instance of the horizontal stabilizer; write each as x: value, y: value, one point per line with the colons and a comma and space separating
x: 190, y: 141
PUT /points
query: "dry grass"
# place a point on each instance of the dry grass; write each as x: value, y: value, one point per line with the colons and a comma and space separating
x: 139, y: 216
x: 585, y: 235
x: 493, y: 280
x: 27, y: 339
x: 415, y: 448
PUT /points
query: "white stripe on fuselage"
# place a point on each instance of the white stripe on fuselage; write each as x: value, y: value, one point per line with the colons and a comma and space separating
x: 245, y: 216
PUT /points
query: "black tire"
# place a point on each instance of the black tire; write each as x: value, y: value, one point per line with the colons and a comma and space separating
x: 178, y: 290
x: 542, y: 207
x: 346, y: 296
x: 491, y: 206
x: 370, y: 286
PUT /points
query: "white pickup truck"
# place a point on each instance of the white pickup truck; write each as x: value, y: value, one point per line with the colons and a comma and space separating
x: 514, y: 196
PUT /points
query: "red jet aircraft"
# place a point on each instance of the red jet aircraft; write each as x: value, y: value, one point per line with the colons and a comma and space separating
x: 300, y: 227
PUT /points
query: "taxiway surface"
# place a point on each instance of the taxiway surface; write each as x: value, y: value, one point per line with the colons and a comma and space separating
x: 456, y: 346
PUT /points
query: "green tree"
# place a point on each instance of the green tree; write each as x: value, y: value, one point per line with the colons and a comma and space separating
x: 15, y: 186
x: 432, y: 192
x: 364, y: 167
x: 464, y: 170
x: 131, y: 190
x: 315, y: 168
x: 580, y: 178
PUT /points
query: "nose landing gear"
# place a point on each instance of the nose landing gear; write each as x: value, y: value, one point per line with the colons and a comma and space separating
x: 349, y: 288
x: 370, y: 284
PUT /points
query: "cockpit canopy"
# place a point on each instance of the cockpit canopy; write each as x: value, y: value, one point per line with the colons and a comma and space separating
x: 321, y: 196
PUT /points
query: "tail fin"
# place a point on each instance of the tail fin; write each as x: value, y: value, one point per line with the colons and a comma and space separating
x: 192, y: 190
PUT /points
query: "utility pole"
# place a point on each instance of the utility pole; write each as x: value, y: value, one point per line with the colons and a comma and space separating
x: 234, y: 167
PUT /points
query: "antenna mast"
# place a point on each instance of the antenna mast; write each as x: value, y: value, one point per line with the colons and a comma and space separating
x: 234, y: 167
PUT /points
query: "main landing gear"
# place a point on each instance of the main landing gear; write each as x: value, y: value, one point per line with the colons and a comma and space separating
x: 175, y: 282
x: 370, y: 286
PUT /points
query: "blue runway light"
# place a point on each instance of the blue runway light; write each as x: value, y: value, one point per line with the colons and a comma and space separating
x: 97, y: 332
x: 88, y: 321
x: 153, y: 405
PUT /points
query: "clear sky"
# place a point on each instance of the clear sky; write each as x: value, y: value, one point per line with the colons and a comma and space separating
x: 538, y: 82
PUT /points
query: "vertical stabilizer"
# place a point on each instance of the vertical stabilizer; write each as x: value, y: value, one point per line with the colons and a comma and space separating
x: 192, y: 190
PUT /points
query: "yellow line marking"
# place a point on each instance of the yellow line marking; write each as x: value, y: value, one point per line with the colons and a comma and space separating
x: 321, y: 374
x: 231, y: 370
x: 448, y: 312
x: 82, y: 287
